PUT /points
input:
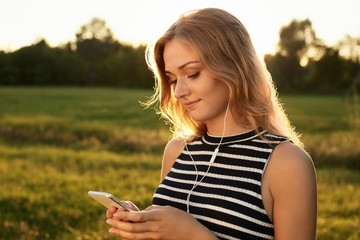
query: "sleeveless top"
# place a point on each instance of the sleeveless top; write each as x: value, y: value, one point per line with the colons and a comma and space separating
x: 228, y: 200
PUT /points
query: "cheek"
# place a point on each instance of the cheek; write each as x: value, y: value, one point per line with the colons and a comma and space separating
x: 218, y: 95
x: 221, y: 90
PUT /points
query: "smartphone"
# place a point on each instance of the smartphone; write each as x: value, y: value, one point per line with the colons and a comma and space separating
x: 108, y: 200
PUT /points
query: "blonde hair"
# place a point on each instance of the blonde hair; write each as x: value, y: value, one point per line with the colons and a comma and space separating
x: 226, y: 51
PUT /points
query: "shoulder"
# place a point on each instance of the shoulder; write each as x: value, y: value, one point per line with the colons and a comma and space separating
x: 289, y: 161
x: 172, y: 150
x: 174, y: 147
x: 292, y: 183
x: 287, y: 156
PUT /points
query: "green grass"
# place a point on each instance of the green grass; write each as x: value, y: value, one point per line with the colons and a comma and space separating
x: 330, y: 128
x: 58, y: 143
x: 338, y: 204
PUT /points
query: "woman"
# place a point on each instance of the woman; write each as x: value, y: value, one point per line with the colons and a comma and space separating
x: 235, y: 168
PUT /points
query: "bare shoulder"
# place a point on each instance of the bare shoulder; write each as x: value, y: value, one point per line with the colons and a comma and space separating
x: 287, y: 156
x: 174, y: 147
x: 292, y: 184
x: 172, y: 150
x: 290, y: 162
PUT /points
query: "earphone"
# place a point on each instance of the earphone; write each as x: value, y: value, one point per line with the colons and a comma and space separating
x: 212, y: 159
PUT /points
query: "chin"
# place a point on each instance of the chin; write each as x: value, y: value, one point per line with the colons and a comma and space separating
x: 199, y: 117
x: 196, y: 117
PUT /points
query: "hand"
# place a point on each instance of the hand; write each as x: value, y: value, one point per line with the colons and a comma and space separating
x: 157, y: 222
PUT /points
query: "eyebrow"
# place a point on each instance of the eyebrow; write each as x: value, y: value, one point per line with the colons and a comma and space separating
x: 184, y: 65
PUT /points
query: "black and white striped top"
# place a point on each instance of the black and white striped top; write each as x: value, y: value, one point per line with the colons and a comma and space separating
x: 228, y: 200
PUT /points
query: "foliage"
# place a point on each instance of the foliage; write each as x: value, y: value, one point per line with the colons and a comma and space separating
x: 297, y: 39
x: 58, y: 143
x: 95, y: 29
x: 96, y: 58
x: 304, y: 62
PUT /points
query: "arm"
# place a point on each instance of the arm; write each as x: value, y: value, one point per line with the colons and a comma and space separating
x: 292, y: 184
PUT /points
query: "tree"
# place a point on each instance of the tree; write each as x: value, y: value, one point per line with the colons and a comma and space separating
x: 94, y: 43
x: 333, y: 71
x: 326, y: 72
x: 338, y: 66
x: 127, y: 68
x: 35, y: 63
x: 349, y: 48
x: 9, y: 74
x: 298, y: 40
x: 96, y: 28
x: 297, y: 44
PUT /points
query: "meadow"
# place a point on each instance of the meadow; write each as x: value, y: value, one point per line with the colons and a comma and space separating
x: 56, y: 144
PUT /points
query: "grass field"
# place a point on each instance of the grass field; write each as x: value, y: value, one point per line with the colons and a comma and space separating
x: 58, y: 143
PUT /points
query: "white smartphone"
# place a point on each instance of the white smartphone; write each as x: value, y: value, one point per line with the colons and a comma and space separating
x: 108, y: 200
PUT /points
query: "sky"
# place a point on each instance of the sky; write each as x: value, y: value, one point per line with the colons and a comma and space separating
x: 23, y: 22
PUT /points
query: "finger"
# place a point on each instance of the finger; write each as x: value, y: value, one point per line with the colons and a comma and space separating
x: 142, y: 216
x: 131, y: 227
x: 132, y: 235
x: 110, y: 212
x: 129, y: 216
x: 120, y: 210
x: 131, y: 205
x: 117, y: 211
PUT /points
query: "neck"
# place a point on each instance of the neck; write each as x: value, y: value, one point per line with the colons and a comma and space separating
x: 216, y: 127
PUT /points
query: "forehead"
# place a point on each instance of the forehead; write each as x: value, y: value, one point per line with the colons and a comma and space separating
x: 177, y: 53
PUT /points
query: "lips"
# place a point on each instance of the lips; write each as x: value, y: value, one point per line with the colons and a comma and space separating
x: 191, y: 104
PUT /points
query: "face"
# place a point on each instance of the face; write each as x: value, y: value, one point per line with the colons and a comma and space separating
x: 205, y: 97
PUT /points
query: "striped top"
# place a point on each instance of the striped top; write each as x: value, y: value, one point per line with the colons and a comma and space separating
x: 228, y: 200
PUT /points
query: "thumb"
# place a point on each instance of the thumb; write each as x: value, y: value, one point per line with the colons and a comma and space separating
x: 132, y: 206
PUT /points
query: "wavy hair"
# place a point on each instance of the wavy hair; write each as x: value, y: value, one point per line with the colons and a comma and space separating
x: 225, y: 50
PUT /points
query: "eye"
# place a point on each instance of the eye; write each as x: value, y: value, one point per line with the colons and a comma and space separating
x: 171, y: 79
x: 195, y: 75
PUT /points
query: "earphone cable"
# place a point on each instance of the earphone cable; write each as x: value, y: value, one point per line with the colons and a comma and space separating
x: 211, y: 160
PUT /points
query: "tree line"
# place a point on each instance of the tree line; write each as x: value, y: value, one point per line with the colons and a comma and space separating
x: 96, y: 58
x: 301, y: 62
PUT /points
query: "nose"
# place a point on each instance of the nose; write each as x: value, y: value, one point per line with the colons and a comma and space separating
x: 181, y: 89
